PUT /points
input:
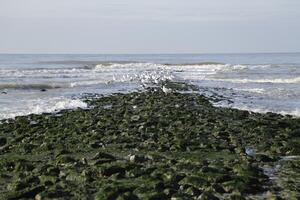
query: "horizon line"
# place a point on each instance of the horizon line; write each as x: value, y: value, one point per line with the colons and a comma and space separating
x: 284, y: 52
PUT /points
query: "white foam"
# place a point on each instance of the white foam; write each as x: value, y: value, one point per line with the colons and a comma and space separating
x: 208, y: 74
x: 128, y: 66
x: 71, y: 72
x: 87, y: 83
x: 276, y: 80
x: 202, y: 68
x: 38, y: 106
x: 295, y: 112
x: 253, y: 90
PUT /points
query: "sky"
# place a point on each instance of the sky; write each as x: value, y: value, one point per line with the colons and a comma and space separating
x: 149, y: 26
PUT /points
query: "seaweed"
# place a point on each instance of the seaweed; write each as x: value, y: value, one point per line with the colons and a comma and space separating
x: 150, y: 145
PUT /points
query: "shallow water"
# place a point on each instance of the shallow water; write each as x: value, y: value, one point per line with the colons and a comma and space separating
x: 46, y: 83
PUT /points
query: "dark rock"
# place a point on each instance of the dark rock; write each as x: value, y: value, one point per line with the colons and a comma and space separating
x: 207, y: 196
x: 180, y: 146
x: 26, y: 193
x: 3, y: 141
x: 110, y: 170
x: 296, y: 133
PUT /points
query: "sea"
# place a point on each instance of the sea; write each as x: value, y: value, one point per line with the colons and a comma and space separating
x: 46, y: 83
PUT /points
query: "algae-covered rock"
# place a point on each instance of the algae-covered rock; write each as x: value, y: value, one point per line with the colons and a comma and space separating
x: 207, y: 196
x: 194, y: 181
x: 27, y: 193
x: 3, y: 141
x: 150, y: 145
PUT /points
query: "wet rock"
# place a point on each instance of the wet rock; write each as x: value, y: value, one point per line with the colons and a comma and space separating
x: 152, y: 196
x: 296, y: 133
x: 179, y: 147
x: 137, y: 158
x: 234, y: 185
x: 113, y: 169
x: 26, y: 193
x: 23, y: 165
x: 265, y: 158
x: 207, y: 196
x: 47, y: 180
x: 64, y: 159
x: 3, y: 141
x: 195, y: 181
x: 75, y: 177
x: 169, y: 191
x: 236, y: 196
x: 127, y: 196
x: 102, y: 155
x: 192, y: 191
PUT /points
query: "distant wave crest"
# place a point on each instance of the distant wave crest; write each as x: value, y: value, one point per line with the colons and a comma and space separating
x: 48, y: 105
x: 29, y: 86
x: 275, y: 80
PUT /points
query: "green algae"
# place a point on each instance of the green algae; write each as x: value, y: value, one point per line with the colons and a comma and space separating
x: 149, y: 145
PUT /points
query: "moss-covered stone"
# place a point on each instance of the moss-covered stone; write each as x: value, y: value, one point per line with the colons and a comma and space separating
x: 150, y: 145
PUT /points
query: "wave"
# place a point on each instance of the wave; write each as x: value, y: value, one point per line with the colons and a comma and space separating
x: 129, y: 65
x: 196, y: 63
x: 82, y: 62
x: 39, y: 106
x: 30, y: 86
x: 87, y: 83
x: 276, y: 80
x: 252, y: 90
x: 295, y: 112
x: 48, y: 73
x: 67, y: 71
x: 205, y: 68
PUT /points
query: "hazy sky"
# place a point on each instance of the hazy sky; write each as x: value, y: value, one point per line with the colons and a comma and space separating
x: 149, y: 26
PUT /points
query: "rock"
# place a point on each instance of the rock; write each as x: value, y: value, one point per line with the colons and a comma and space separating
x: 48, y: 180
x: 234, y: 185
x: 64, y: 159
x: 170, y: 191
x: 26, y: 193
x: 102, y: 155
x: 135, y: 118
x: 127, y: 196
x: 38, y: 197
x: 110, y: 170
x: 264, y: 158
x: 179, y: 147
x: 207, y: 196
x: 195, y: 181
x: 295, y: 133
x: 3, y: 141
x: 153, y: 196
x: 192, y: 191
x: 75, y: 177
x: 236, y: 196
x: 137, y: 158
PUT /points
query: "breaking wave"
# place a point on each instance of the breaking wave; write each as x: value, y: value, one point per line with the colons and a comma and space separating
x: 275, y: 80
x: 295, y: 112
x: 29, y: 86
x: 253, y: 90
x: 79, y: 76
x: 39, y: 106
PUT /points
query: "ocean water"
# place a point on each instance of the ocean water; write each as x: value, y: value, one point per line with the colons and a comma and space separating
x: 48, y: 83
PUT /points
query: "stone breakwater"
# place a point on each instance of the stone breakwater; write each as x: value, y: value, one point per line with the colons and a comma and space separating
x: 150, y: 145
